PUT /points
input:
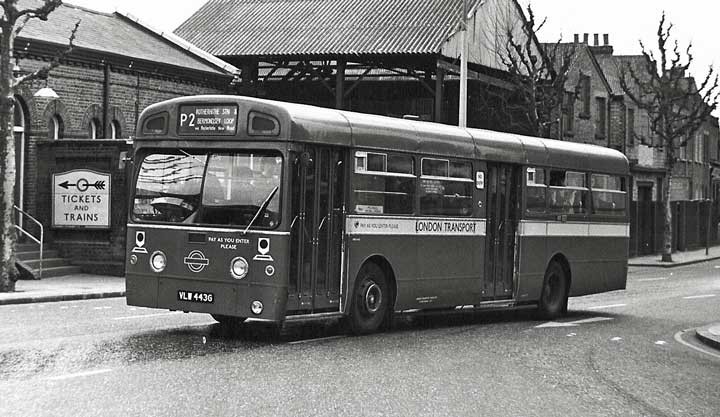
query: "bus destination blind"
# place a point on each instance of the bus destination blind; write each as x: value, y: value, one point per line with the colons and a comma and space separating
x: 207, y: 119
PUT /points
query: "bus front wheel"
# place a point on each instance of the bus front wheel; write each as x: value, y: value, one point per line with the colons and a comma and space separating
x: 371, y: 300
x: 554, y: 298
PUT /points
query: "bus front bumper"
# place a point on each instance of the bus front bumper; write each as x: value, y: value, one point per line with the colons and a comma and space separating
x: 229, y: 299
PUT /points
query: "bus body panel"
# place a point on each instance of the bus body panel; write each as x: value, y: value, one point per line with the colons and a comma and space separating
x: 198, y: 264
x: 431, y: 270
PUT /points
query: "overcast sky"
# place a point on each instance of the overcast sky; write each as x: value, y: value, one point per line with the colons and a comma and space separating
x: 626, y: 21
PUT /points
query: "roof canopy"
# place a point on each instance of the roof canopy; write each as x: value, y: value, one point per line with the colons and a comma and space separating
x: 119, y: 35
x: 322, y: 27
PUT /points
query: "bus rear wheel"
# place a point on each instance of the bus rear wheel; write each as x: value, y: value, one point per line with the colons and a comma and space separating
x: 370, y: 305
x: 554, y: 297
x: 229, y: 321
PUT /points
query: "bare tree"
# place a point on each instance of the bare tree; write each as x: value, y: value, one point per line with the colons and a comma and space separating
x: 538, y: 74
x: 12, y: 21
x: 676, y: 105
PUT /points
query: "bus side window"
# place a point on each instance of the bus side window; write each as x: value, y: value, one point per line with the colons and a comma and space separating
x: 384, y: 183
x: 536, y: 194
x: 446, y: 187
x: 609, y: 195
x: 568, y: 192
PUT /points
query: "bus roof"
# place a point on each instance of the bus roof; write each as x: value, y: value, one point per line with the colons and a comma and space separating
x: 345, y: 128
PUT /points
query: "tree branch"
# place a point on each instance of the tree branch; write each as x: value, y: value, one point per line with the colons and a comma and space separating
x: 42, y: 73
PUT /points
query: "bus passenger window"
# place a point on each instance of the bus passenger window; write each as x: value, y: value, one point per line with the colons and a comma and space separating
x: 568, y: 192
x: 609, y: 195
x: 446, y: 188
x: 536, y: 190
x: 383, y: 183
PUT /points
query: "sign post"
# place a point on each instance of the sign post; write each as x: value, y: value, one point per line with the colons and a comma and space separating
x: 81, y: 200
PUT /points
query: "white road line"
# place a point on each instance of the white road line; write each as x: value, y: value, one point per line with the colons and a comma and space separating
x: 678, y: 338
x: 616, y: 339
x: 607, y: 306
x: 661, y: 343
x: 695, y: 297
x: 79, y: 374
x: 593, y: 320
x: 146, y: 315
x: 652, y: 279
x: 320, y: 339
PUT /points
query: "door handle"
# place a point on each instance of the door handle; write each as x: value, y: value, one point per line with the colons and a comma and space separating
x: 322, y: 223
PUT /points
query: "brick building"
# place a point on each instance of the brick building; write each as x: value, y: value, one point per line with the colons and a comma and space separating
x: 597, y: 111
x: 118, y: 67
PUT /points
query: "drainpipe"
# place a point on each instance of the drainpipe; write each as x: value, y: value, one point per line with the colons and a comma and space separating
x: 106, y: 100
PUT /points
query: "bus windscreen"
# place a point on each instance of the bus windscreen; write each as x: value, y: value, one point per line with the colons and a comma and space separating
x: 212, y: 188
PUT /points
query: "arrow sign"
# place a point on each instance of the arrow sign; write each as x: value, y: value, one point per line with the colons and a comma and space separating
x: 83, y: 185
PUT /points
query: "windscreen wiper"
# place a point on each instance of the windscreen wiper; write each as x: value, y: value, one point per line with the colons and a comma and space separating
x: 262, y: 208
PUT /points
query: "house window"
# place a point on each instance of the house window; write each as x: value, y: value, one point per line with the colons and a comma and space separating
x: 19, y: 136
x: 601, y: 122
x: 699, y: 145
x: 115, y: 132
x: 569, y: 115
x: 585, y: 94
x: 56, y: 128
x: 631, y: 126
x: 94, y: 129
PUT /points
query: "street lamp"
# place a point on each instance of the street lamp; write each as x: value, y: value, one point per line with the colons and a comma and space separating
x: 466, y: 14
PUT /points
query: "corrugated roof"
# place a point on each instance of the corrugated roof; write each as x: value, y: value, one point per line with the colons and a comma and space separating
x: 112, y: 33
x: 338, y: 27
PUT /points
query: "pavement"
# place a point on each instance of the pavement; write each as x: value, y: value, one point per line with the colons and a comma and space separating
x: 88, y: 286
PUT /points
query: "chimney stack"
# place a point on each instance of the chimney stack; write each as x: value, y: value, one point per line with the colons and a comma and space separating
x: 577, y: 38
x: 596, y: 39
x: 586, y: 38
x: 606, y: 39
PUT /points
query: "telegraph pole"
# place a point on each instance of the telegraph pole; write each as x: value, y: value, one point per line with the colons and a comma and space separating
x: 462, y: 115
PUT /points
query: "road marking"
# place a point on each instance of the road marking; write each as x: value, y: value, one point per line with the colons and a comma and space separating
x: 661, y: 343
x: 573, y: 323
x: 695, y: 297
x: 616, y: 339
x: 607, y: 306
x: 593, y: 320
x: 555, y: 324
x: 572, y: 334
x: 146, y: 315
x: 678, y: 338
x: 102, y: 308
x: 79, y: 374
x: 652, y: 279
x: 320, y: 339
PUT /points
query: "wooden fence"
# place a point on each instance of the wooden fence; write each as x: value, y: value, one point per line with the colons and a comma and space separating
x: 695, y: 225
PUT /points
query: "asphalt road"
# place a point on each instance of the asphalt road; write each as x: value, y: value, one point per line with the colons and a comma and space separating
x: 616, y: 354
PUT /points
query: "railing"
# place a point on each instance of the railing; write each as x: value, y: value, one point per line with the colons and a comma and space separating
x: 39, y: 241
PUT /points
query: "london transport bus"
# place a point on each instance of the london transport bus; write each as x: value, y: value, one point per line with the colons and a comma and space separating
x: 248, y: 208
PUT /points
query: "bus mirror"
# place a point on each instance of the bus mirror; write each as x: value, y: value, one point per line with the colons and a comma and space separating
x: 306, y: 159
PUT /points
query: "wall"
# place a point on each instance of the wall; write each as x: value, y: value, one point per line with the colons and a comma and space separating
x: 96, y: 251
x: 80, y: 88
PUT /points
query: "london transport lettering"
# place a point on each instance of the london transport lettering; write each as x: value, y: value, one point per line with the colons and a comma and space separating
x: 445, y: 227
x: 394, y: 226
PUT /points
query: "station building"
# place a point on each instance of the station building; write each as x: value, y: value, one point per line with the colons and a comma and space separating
x: 83, y: 117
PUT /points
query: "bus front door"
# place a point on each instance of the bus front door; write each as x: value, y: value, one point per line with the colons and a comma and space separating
x: 317, y: 206
x: 502, y: 201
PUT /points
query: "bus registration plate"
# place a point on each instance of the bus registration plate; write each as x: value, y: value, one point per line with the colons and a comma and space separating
x: 196, y: 297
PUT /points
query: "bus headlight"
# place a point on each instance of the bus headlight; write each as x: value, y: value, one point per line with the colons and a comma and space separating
x: 256, y: 307
x: 239, y: 267
x: 158, y: 261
